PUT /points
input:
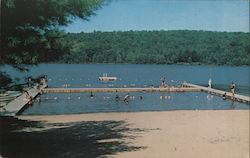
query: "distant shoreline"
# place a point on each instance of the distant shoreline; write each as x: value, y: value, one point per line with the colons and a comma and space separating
x: 152, y: 47
x: 184, y: 64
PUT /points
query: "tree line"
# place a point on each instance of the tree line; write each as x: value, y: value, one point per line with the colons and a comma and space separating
x: 31, y: 34
x: 154, y: 47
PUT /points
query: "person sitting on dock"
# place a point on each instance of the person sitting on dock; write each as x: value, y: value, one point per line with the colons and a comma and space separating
x: 30, y: 101
x: 232, y: 88
x: 27, y: 96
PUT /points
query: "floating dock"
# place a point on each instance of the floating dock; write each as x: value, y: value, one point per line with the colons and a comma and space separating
x: 17, y: 105
x: 78, y: 90
x: 229, y: 95
x: 186, y: 87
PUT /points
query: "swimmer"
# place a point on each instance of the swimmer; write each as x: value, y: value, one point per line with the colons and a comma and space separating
x: 224, y: 96
x: 126, y: 99
x: 38, y: 99
x: 91, y: 95
x: 117, y: 98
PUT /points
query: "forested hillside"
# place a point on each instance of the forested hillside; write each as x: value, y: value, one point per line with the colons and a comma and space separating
x: 157, y: 47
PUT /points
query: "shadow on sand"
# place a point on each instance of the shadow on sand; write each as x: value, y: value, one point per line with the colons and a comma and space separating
x: 77, y: 139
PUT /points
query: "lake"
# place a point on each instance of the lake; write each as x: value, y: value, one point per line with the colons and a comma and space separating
x: 129, y: 75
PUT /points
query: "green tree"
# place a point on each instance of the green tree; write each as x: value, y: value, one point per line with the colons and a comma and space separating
x: 30, y: 28
x: 161, y: 47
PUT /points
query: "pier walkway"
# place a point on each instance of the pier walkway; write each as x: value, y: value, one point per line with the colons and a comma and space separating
x: 15, y: 106
x: 78, y: 90
x: 229, y: 95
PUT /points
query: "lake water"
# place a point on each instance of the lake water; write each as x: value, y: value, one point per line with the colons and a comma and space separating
x: 129, y: 75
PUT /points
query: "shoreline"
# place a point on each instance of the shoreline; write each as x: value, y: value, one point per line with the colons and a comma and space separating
x: 177, y: 64
x: 175, y: 134
x: 200, y: 133
x: 23, y: 117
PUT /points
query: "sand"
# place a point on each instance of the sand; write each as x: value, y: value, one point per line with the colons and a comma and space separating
x: 176, y: 134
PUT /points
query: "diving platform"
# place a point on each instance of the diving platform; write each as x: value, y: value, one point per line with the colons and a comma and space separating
x: 186, y: 87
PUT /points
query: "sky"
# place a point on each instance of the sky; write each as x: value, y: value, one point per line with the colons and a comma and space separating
x: 208, y: 15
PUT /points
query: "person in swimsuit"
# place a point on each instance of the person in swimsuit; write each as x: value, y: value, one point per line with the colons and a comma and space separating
x: 91, y: 95
x: 232, y: 89
x: 30, y: 101
x: 162, y: 82
x: 117, y: 98
x: 224, y: 96
x: 210, y: 83
x: 126, y: 99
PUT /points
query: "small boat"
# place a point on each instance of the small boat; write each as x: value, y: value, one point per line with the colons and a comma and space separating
x: 105, y: 77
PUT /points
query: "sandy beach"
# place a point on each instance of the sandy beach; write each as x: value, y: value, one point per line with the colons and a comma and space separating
x: 175, y: 134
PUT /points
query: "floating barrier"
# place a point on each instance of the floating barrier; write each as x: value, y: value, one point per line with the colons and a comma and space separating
x: 152, y: 89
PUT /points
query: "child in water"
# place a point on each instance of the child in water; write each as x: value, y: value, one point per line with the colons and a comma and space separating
x: 117, y: 98
x: 224, y: 96
x: 126, y: 99
x: 91, y: 95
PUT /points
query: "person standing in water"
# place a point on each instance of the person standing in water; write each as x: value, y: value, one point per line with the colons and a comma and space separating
x: 126, y: 99
x: 91, y: 94
x: 140, y: 97
x: 29, y: 82
x: 162, y: 82
x: 224, y: 96
x: 117, y: 98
